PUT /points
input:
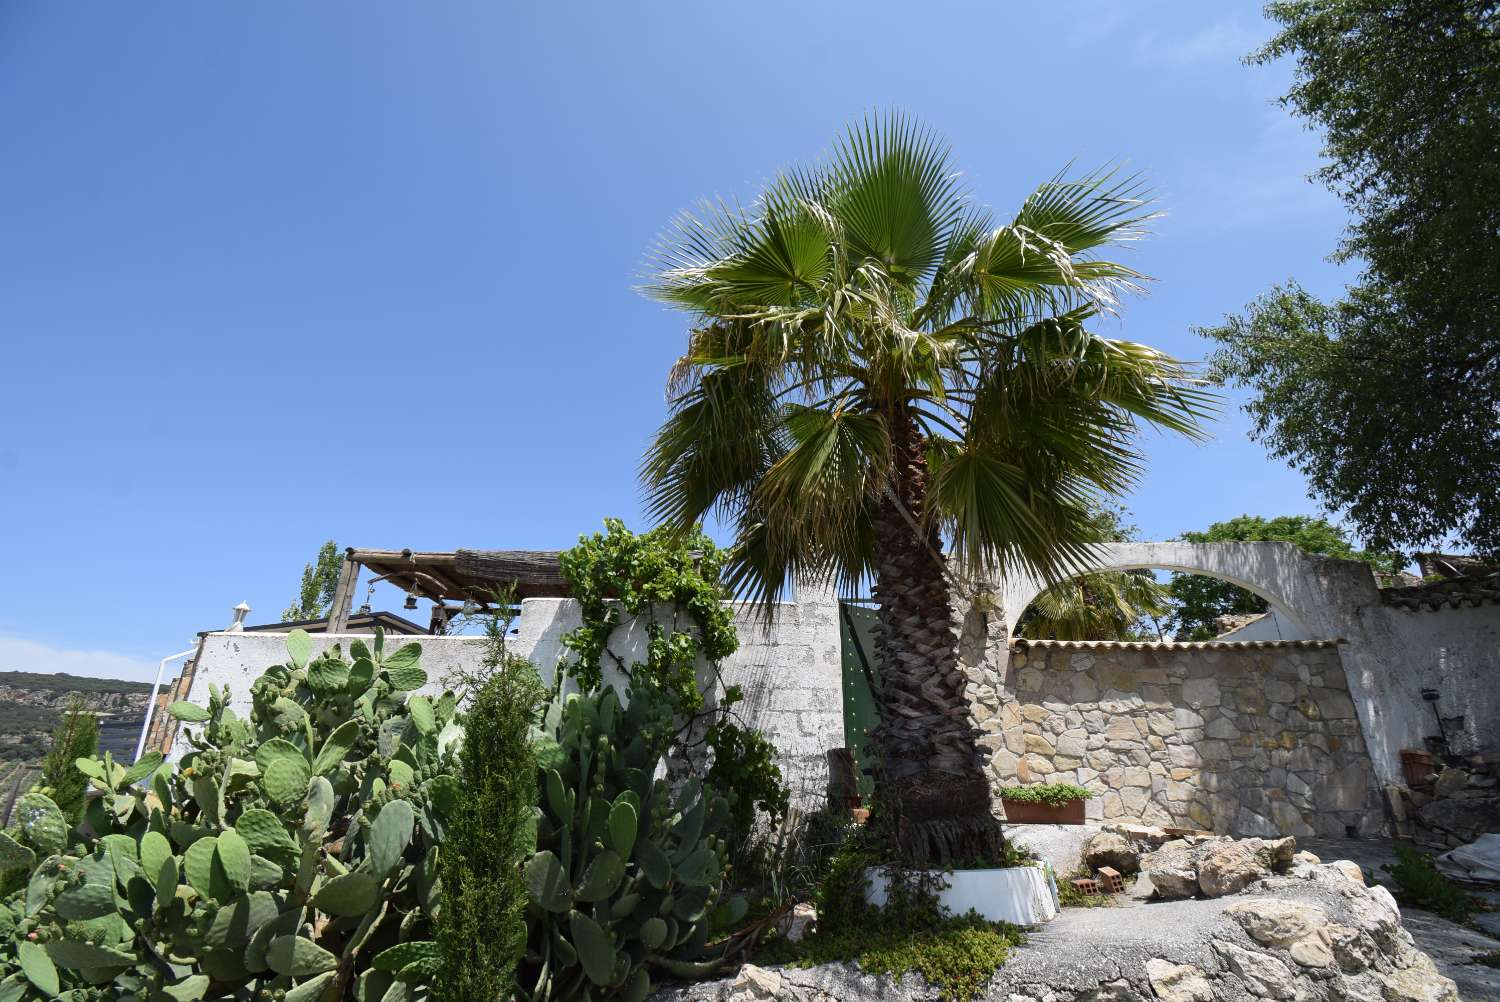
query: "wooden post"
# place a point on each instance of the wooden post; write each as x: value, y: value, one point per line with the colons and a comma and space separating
x: 343, y: 596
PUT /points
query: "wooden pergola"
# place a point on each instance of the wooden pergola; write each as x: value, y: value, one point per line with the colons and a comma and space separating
x: 470, y: 578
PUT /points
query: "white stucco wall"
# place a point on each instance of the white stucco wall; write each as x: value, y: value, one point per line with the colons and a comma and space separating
x: 791, y: 674
x: 1456, y: 652
x: 1272, y: 626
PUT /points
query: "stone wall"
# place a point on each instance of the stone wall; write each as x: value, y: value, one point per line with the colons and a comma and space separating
x: 1253, y: 739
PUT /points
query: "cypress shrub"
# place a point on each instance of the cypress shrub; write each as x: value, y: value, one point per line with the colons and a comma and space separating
x: 481, y: 928
x: 76, y: 737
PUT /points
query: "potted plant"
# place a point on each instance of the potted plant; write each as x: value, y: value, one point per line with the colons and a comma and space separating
x: 1045, y: 804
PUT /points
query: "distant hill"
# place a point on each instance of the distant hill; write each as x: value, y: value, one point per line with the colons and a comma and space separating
x: 31, y: 705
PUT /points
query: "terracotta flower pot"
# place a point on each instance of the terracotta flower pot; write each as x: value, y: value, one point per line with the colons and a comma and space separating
x: 1023, y: 813
x: 1417, y: 767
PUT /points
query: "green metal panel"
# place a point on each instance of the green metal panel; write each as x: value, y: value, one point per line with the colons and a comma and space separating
x: 856, y: 630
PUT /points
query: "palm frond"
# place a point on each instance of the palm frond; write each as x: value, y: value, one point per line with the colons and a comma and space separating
x: 895, y: 190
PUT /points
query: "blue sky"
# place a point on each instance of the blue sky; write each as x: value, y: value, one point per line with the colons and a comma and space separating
x: 278, y: 272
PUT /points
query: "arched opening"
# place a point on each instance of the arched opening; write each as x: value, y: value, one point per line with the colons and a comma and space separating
x: 1279, y: 575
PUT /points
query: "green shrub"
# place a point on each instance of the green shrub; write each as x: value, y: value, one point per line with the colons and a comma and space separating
x: 1420, y: 884
x: 1051, y: 794
x: 76, y: 737
x: 292, y: 855
x: 481, y: 930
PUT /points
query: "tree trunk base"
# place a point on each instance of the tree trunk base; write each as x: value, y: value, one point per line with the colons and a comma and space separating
x: 943, y: 819
x: 952, y: 841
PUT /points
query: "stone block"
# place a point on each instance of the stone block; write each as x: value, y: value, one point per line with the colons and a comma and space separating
x: 1038, y: 765
x: 1037, y: 745
x: 1033, y: 713
x: 1201, y: 692
x: 1214, y: 751
x: 1333, y: 704
x: 1183, y: 717
x: 1072, y: 744
x: 1222, y: 729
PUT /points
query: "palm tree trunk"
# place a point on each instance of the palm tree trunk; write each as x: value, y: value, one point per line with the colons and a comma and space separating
x: 932, y: 791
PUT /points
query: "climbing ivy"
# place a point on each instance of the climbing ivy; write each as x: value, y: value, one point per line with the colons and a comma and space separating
x: 660, y: 578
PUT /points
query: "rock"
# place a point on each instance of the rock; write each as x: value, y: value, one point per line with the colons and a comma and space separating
x: 1178, y: 982
x: 1109, y: 849
x: 754, y: 983
x: 1420, y: 982
x: 794, y: 925
x: 1354, y: 950
x: 1228, y: 868
x: 1142, y: 889
x: 1262, y: 974
x: 1276, y: 921
x: 1312, y: 952
x: 1449, y: 782
x: 1349, y: 869
x: 1119, y: 990
x: 1172, y: 870
x: 1306, y: 857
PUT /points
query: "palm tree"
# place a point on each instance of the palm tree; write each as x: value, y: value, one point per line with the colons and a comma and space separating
x: 1107, y: 605
x: 875, y: 369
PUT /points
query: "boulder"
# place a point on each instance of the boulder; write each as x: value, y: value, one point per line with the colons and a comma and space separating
x: 1109, y: 849
x: 1228, y: 868
x: 1172, y: 870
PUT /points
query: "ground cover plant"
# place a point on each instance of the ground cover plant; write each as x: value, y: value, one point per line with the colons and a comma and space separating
x: 877, y: 372
x: 956, y: 954
x: 291, y: 853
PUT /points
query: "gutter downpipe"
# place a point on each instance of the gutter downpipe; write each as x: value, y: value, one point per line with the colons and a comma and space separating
x: 161, y: 670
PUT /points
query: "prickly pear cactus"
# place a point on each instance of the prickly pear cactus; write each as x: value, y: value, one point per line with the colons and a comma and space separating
x: 626, y: 876
x: 291, y: 856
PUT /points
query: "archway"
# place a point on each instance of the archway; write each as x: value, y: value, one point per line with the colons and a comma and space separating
x: 1295, y: 584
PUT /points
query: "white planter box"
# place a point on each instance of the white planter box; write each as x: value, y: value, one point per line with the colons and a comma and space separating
x: 1021, y: 895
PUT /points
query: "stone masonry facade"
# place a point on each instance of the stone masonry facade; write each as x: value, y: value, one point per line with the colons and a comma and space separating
x: 1249, y: 739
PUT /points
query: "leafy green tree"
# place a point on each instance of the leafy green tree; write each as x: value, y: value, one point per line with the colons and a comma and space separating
x: 319, y: 580
x: 1386, y: 400
x: 1199, y: 600
x: 481, y: 929
x: 76, y: 737
x: 1110, y: 605
x: 876, y: 369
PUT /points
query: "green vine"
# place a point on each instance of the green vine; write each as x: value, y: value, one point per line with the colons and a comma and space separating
x: 655, y: 578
